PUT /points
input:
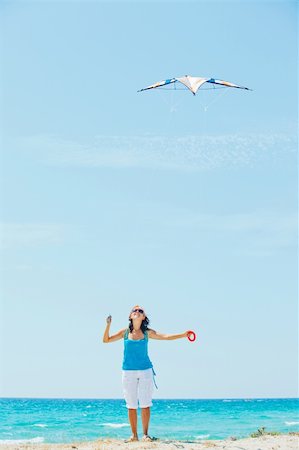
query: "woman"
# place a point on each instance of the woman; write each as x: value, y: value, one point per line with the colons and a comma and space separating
x: 137, y: 368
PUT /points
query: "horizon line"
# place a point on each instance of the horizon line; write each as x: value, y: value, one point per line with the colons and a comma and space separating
x: 165, y: 398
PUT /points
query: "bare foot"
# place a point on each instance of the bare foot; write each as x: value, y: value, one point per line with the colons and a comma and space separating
x: 132, y: 439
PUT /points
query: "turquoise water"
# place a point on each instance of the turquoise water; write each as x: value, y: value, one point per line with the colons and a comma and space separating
x: 65, y: 420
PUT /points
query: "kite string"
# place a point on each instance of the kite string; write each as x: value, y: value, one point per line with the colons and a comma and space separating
x: 171, y: 104
x: 215, y: 99
x: 205, y: 106
x: 168, y: 104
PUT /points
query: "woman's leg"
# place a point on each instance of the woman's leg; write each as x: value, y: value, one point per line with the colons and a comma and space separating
x: 145, y: 393
x: 145, y: 416
x: 130, y: 387
x: 132, y: 413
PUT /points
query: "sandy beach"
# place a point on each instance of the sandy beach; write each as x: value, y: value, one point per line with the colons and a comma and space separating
x: 280, y: 442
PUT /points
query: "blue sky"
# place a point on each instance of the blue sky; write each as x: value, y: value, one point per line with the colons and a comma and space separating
x: 185, y: 205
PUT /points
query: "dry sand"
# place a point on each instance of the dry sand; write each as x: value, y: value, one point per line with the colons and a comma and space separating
x: 281, y: 442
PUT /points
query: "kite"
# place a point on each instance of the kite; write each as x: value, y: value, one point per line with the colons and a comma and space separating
x: 194, y: 83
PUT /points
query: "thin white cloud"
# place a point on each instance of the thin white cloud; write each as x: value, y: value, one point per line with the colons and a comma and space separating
x: 189, y: 152
x: 30, y: 234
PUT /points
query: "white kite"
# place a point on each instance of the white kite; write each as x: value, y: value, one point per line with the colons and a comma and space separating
x: 193, y: 83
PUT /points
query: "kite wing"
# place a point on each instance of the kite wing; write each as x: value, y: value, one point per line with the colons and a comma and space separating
x: 159, y: 84
x: 193, y: 83
x: 226, y: 84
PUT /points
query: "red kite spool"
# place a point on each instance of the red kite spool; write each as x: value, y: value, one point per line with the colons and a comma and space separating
x: 191, y: 336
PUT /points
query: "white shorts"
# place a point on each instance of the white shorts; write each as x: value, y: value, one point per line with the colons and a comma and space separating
x: 138, y: 385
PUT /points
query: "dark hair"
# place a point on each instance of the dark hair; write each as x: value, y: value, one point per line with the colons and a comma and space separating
x: 144, y: 325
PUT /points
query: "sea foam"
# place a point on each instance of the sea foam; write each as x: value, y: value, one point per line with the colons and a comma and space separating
x: 115, y: 425
x: 202, y: 436
x: 36, y: 440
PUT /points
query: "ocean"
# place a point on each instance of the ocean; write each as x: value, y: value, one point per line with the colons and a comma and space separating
x: 67, y: 420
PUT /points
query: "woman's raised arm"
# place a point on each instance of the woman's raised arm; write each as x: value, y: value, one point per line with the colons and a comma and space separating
x: 166, y: 337
x: 114, y: 337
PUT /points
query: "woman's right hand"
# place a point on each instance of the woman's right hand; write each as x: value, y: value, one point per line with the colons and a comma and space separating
x: 109, y: 318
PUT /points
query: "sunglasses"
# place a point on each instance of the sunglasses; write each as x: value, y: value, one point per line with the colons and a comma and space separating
x: 138, y: 310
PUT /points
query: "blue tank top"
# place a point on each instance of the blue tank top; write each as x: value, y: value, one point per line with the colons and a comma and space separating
x: 135, y: 353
